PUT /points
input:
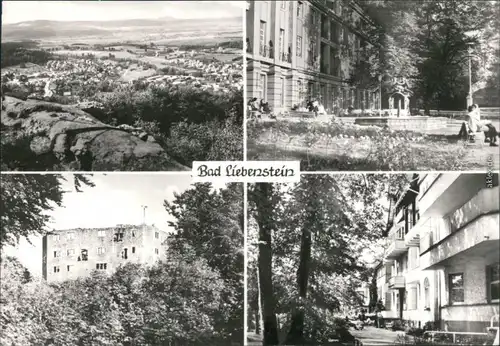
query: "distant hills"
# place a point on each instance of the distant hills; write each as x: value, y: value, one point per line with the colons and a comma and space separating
x: 49, y: 29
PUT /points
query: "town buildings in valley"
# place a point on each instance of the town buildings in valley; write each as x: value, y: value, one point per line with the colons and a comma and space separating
x: 73, y: 253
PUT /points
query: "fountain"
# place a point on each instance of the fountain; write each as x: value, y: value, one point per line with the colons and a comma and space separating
x: 398, y: 117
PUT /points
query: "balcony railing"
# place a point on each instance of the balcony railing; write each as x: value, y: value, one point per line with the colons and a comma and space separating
x: 397, y: 282
x: 285, y: 57
x: 397, y: 245
x: 265, y: 51
x: 485, y: 201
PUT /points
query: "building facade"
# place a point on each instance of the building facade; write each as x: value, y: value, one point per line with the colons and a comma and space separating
x: 303, y: 50
x: 442, y: 264
x: 74, y: 253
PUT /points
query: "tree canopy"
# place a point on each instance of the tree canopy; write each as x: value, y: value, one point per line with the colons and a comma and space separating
x: 315, y: 232
x: 25, y: 201
x: 428, y: 42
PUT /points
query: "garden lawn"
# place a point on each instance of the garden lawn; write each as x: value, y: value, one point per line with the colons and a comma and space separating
x: 339, y: 146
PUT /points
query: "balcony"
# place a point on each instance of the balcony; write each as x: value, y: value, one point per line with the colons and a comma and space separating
x: 413, y: 240
x: 484, y: 202
x: 285, y: 57
x: 397, y: 282
x: 471, y: 230
x: 266, y: 51
x: 397, y: 245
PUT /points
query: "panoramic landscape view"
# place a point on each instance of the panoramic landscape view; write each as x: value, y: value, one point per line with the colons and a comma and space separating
x: 374, y: 85
x: 120, y: 259
x: 154, y: 86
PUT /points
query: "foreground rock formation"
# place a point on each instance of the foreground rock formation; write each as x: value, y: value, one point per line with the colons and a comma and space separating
x: 38, y: 135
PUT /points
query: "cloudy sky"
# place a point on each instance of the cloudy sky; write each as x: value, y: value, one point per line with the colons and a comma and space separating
x: 117, y: 198
x: 20, y: 11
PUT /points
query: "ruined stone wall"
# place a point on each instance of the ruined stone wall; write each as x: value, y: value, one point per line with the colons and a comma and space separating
x: 105, y: 248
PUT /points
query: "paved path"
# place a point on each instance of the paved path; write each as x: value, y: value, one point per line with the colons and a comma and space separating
x: 375, y: 336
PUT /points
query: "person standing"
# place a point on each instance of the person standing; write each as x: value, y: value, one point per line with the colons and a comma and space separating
x: 477, y: 125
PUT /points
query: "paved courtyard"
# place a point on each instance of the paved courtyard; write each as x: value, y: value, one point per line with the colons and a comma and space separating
x: 375, y: 336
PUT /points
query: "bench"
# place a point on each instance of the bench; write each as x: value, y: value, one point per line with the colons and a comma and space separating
x: 478, y: 137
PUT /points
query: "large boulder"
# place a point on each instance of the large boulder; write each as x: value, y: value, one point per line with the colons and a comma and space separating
x: 38, y: 135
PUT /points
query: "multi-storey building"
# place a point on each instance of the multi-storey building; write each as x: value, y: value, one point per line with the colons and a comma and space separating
x: 303, y: 50
x: 442, y: 264
x: 73, y: 253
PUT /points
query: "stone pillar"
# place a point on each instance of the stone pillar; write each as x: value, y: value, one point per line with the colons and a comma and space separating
x: 252, y: 82
x: 274, y: 87
x: 293, y: 5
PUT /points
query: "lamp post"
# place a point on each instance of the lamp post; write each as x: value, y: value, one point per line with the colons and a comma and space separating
x: 470, y: 35
x: 469, y: 95
x: 380, y: 96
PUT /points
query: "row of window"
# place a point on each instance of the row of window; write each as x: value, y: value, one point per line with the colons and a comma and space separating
x: 118, y: 236
x: 100, y: 251
x: 456, y: 291
x: 84, y: 253
x: 70, y: 267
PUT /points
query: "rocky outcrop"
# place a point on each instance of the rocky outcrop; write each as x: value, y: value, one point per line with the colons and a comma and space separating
x: 38, y: 135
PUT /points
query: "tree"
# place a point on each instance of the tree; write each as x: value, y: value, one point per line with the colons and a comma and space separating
x: 427, y: 42
x: 263, y: 198
x: 315, y: 231
x: 25, y: 200
x: 210, y: 224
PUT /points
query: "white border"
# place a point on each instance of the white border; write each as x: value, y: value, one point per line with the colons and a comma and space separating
x: 245, y: 185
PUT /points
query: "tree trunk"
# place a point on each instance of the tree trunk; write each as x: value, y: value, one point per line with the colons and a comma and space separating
x: 373, y: 292
x: 259, y: 316
x: 263, y: 201
x: 296, y: 334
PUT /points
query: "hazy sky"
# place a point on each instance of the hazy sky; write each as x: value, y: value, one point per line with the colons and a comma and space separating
x: 116, y: 199
x: 20, y: 11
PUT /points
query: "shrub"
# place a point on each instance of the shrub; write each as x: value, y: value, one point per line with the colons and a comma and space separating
x: 214, y: 140
x: 397, y: 325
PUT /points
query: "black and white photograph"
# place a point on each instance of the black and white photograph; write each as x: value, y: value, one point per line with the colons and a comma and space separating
x: 120, y: 85
x: 120, y: 259
x: 374, y: 259
x: 374, y: 85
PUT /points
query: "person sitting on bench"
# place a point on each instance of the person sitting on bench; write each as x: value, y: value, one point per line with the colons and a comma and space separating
x: 477, y: 125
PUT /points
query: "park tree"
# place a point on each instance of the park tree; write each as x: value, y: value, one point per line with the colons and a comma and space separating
x: 27, y: 198
x: 315, y: 231
x: 209, y: 223
x: 428, y: 43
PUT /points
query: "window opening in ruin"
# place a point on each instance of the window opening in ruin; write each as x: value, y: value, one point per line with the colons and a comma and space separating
x: 157, y: 235
x: 85, y: 255
x: 56, y: 269
x: 57, y: 254
x: 133, y: 249
x: 156, y: 251
x: 125, y: 253
x: 101, y: 266
x: 118, y: 236
x: 70, y: 268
